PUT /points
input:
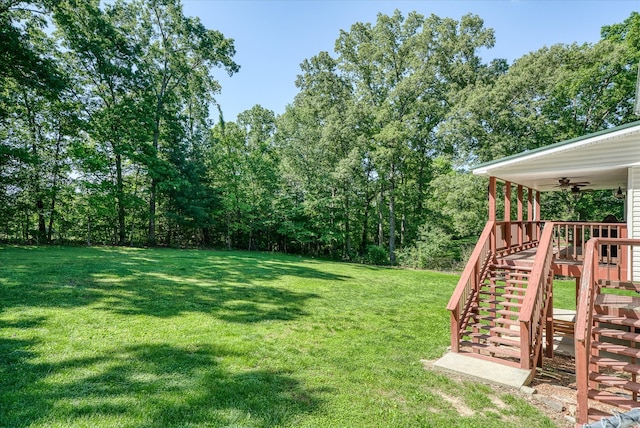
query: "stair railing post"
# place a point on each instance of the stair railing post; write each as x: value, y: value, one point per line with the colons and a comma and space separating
x: 525, y: 338
x: 549, y: 316
x: 583, y: 331
x: 455, y: 331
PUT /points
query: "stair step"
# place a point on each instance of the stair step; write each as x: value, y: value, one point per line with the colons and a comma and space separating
x: 504, y: 297
x: 620, y: 285
x: 495, y: 339
x: 503, y: 312
x: 618, y: 382
x: 485, y: 291
x: 494, y: 279
x: 510, y: 273
x: 613, y: 348
x: 519, y: 289
x: 498, y: 330
x: 492, y: 290
x: 617, y: 334
x: 511, y: 267
x: 517, y: 281
x: 506, y: 331
x: 611, y: 319
x: 496, y: 320
x: 504, y: 341
x: 504, y: 303
x: 506, y: 352
x: 616, y: 365
x: 492, y: 286
x: 612, y: 399
x: 595, y: 415
x: 613, y: 304
x: 514, y: 296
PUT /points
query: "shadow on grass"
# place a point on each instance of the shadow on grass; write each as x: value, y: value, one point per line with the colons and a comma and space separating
x: 146, y: 386
x: 234, y: 287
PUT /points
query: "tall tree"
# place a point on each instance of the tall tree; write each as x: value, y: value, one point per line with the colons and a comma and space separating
x: 552, y: 94
x: 105, y: 60
x: 178, y: 55
x: 322, y: 155
x: 406, y: 73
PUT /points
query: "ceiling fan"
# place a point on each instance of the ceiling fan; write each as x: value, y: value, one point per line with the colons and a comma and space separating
x: 565, y: 183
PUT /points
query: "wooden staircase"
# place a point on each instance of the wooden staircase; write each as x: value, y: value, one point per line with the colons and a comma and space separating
x: 502, y: 303
x: 607, y: 334
x: 493, y: 331
x: 612, y: 361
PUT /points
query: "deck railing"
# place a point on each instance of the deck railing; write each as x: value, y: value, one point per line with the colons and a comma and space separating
x: 514, y: 236
x: 593, y: 271
x: 570, y: 238
x: 466, y: 291
x: 536, y: 304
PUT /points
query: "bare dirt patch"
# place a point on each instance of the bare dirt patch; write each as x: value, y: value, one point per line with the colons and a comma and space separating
x: 458, y: 404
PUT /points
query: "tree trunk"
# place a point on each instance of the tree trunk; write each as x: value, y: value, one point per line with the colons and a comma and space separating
x: 392, y: 218
x: 381, y: 218
x: 42, y: 228
x: 151, y: 239
x: 122, y: 233
x: 52, y: 210
x: 347, y: 225
x: 54, y: 189
x: 88, y: 231
x: 365, y: 226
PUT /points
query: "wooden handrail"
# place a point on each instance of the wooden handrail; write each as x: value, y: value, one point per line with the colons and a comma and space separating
x: 582, y: 333
x: 472, y: 263
x: 538, y: 276
x: 467, y: 288
x: 534, y: 299
x: 587, y: 287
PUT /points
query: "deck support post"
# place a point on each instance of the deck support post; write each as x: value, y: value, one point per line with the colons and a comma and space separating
x: 521, y: 226
x: 507, y: 215
x: 520, y: 204
x: 492, y: 212
x: 492, y: 199
x: 507, y: 201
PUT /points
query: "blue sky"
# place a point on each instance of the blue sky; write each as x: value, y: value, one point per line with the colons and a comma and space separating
x: 272, y: 37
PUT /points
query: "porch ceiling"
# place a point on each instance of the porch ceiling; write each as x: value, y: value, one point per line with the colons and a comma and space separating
x: 602, y: 159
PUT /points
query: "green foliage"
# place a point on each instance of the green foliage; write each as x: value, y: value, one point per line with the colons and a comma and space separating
x: 432, y: 250
x: 460, y: 201
x: 106, y: 136
x: 376, y: 255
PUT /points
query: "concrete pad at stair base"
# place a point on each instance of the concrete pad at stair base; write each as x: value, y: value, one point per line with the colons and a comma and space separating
x: 484, y: 370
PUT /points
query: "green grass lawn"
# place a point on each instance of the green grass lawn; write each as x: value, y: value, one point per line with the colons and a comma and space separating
x: 106, y: 337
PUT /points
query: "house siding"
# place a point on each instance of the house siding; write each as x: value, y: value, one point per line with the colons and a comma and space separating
x: 633, y: 215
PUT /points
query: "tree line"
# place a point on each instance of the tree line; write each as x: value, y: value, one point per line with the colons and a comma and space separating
x: 107, y: 136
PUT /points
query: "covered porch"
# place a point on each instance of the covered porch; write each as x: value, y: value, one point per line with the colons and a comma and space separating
x: 502, y: 310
